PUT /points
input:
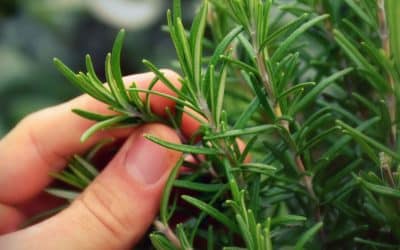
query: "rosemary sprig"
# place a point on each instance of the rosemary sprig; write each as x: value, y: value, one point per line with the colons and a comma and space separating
x: 313, y: 90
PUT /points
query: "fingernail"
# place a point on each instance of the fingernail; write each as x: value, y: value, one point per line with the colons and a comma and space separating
x: 146, y: 161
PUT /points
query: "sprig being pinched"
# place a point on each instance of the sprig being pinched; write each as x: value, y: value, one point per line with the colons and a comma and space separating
x: 127, y: 106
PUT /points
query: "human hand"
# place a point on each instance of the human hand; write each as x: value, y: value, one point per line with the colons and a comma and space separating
x: 116, y: 209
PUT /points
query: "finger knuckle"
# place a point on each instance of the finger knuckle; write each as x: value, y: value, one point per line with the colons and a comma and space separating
x: 37, y: 117
x: 101, y: 203
x: 31, y: 119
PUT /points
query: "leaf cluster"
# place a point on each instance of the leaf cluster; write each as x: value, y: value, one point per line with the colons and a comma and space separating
x: 314, y: 96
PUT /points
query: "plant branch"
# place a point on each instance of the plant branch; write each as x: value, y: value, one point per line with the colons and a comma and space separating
x: 391, y: 99
x: 387, y: 172
x: 260, y: 58
x: 166, y: 230
x: 320, y: 9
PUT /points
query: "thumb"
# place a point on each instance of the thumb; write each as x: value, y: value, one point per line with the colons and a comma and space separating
x: 117, y: 208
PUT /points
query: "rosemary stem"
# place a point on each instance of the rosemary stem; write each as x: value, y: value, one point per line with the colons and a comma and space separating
x: 387, y: 172
x: 307, y: 180
x: 320, y: 9
x: 391, y: 100
x: 166, y: 230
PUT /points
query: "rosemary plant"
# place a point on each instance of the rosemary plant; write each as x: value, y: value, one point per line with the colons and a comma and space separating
x: 311, y: 86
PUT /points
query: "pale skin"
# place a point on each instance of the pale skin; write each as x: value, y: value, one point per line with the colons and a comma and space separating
x: 116, y: 209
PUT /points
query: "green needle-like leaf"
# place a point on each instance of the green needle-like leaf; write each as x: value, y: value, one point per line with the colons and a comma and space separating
x: 101, y: 126
x: 243, y: 66
x: 182, y: 237
x: 115, y: 64
x: 295, y: 88
x: 220, y: 95
x: 182, y: 147
x: 287, y: 28
x: 361, y: 13
x: 245, y: 131
x: 173, y: 98
x: 392, y: 15
x: 250, y: 244
x: 167, y: 191
x: 68, y: 178
x: 196, y: 38
x: 284, y: 46
x: 185, y: 46
x: 161, y: 243
x: 351, y: 50
x: 374, y: 244
x: 355, y: 133
x: 80, y: 81
x: 307, y: 236
x: 379, y: 189
x: 246, y: 115
x: 161, y: 76
x: 198, y: 186
x: 92, y: 116
x: 211, y: 211
x: 288, y: 219
x: 95, y: 81
x: 68, y: 195
x: 223, y: 45
x: 309, y: 97
x: 87, y: 166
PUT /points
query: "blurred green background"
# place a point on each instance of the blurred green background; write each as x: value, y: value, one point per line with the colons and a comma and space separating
x: 33, y: 32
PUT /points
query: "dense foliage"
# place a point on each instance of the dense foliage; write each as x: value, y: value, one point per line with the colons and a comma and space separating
x: 311, y: 86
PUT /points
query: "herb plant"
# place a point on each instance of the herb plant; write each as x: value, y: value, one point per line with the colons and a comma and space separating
x: 311, y: 86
